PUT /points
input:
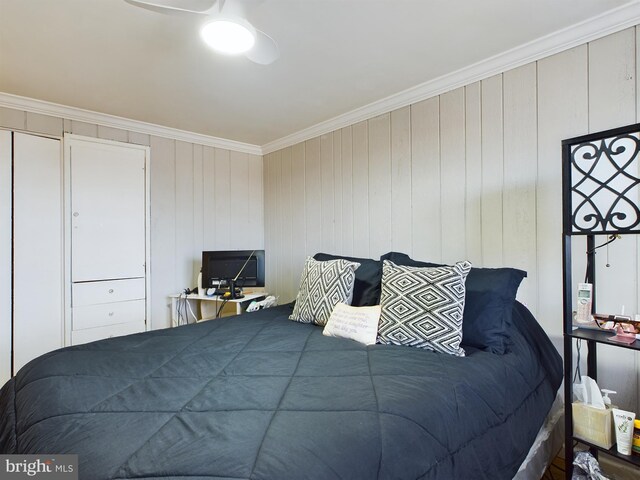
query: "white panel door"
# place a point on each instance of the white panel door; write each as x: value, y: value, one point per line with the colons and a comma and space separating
x: 5, y: 256
x: 107, y: 211
x: 37, y: 247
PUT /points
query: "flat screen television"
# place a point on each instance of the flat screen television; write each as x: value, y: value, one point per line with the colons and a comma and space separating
x: 221, y: 265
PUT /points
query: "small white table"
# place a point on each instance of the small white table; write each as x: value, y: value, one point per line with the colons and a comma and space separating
x: 215, y: 301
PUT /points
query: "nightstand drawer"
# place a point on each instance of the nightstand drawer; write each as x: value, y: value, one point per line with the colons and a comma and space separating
x: 91, y: 316
x: 100, y: 333
x: 91, y: 293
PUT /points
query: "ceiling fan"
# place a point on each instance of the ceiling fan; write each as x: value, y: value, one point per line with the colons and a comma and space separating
x: 228, y: 31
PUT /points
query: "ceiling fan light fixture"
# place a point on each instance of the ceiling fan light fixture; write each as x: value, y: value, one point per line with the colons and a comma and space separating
x: 229, y: 36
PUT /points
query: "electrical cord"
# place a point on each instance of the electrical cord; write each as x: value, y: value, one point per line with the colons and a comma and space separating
x: 577, y: 371
x: 179, y: 309
x: 610, y: 239
x: 224, y: 302
x: 195, y: 318
x: 183, y: 308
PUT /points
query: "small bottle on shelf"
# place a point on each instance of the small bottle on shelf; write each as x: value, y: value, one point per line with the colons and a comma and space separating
x: 635, y: 448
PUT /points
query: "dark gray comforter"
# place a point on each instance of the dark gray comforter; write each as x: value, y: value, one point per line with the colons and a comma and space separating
x: 261, y: 397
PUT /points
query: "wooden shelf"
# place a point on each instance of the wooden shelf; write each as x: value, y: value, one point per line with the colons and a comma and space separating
x: 601, y: 337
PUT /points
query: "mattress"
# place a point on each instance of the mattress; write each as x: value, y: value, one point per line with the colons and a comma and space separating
x: 258, y: 396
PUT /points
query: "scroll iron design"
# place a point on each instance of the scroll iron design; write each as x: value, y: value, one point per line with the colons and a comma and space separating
x: 595, y: 220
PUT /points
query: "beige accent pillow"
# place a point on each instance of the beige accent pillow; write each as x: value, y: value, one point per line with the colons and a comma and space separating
x: 356, y: 323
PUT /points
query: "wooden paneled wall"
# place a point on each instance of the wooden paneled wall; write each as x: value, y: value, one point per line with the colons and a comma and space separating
x: 474, y: 173
x: 202, y: 198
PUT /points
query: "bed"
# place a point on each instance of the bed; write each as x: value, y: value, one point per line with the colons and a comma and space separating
x: 258, y: 396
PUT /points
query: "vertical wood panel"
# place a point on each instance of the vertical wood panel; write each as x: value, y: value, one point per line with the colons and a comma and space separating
x: 209, y: 198
x: 287, y: 289
x: 520, y: 170
x: 256, y: 202
x: 198, y: 209
x: 110, y: 133
x: 452, y: 164
x: 425, y: 180
x: 360, y: 188
x: 473, y: 172
x: 46, y: 124
x: 326, y: 179
x: 562, y: 113
x: 271, y: 234
x: 10, y: 118
x: 184, y: 254
x: 401, y: 228
x: 611, y: 81
x: 82, y: 128
x: 313, y: 197
x: 222, y: 205
x: 492, y: 171
x: 379, y: 185
x: 298, y: 225
x: 163, y: 225
x: 346, y: 151
x: 279, y: 246
x: 138, y: 138
x: 337, y: 193
x: 6, y: 234
x: 239, y: 191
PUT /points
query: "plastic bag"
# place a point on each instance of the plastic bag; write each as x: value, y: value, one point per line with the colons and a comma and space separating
x: 586, y: 467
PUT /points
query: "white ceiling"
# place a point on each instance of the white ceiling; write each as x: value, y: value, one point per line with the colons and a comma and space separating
x: 336, y: 56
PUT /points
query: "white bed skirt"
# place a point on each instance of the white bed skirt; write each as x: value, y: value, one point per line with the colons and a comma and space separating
x: 547, y: 444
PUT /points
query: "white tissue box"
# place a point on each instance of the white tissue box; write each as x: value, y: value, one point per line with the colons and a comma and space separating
x: 593, y: 425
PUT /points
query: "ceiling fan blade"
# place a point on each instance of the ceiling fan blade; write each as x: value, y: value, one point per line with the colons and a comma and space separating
x: 175, y: 6
x: 264, y: 51
x: 244, y: 6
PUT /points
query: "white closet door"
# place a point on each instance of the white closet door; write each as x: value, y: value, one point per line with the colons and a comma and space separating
x: 5, y: 256
x: 37, y: 247
x: 107, y: 212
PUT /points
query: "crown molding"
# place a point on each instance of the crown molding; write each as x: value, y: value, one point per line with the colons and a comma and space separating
x: 78, y: 114
x: 626, y: 16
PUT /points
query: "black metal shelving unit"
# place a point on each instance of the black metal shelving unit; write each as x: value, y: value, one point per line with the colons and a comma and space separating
x: 632, y: 459
x: 600, y: 196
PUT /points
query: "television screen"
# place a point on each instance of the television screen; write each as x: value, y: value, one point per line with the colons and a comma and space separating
x: 219, y: 266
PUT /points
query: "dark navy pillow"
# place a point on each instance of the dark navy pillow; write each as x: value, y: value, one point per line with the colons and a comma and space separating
x: 491, y: 293
x: 366, y: 290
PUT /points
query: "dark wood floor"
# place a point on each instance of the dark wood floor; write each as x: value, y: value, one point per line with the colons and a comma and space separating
x: 555, y: 470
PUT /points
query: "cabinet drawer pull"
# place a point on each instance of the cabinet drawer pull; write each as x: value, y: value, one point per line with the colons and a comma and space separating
x: 111, y: 314
x: 111, y: 290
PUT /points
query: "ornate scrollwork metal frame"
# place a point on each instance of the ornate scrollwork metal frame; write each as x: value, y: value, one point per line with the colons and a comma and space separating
x: 602, y: 183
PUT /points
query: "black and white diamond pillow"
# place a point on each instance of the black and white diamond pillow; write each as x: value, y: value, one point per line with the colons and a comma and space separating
x: 423, y: 306
x: 323, y: 285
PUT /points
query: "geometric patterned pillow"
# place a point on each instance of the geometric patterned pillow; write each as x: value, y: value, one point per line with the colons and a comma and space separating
x: 323, y: 285
x: 423, y: 306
